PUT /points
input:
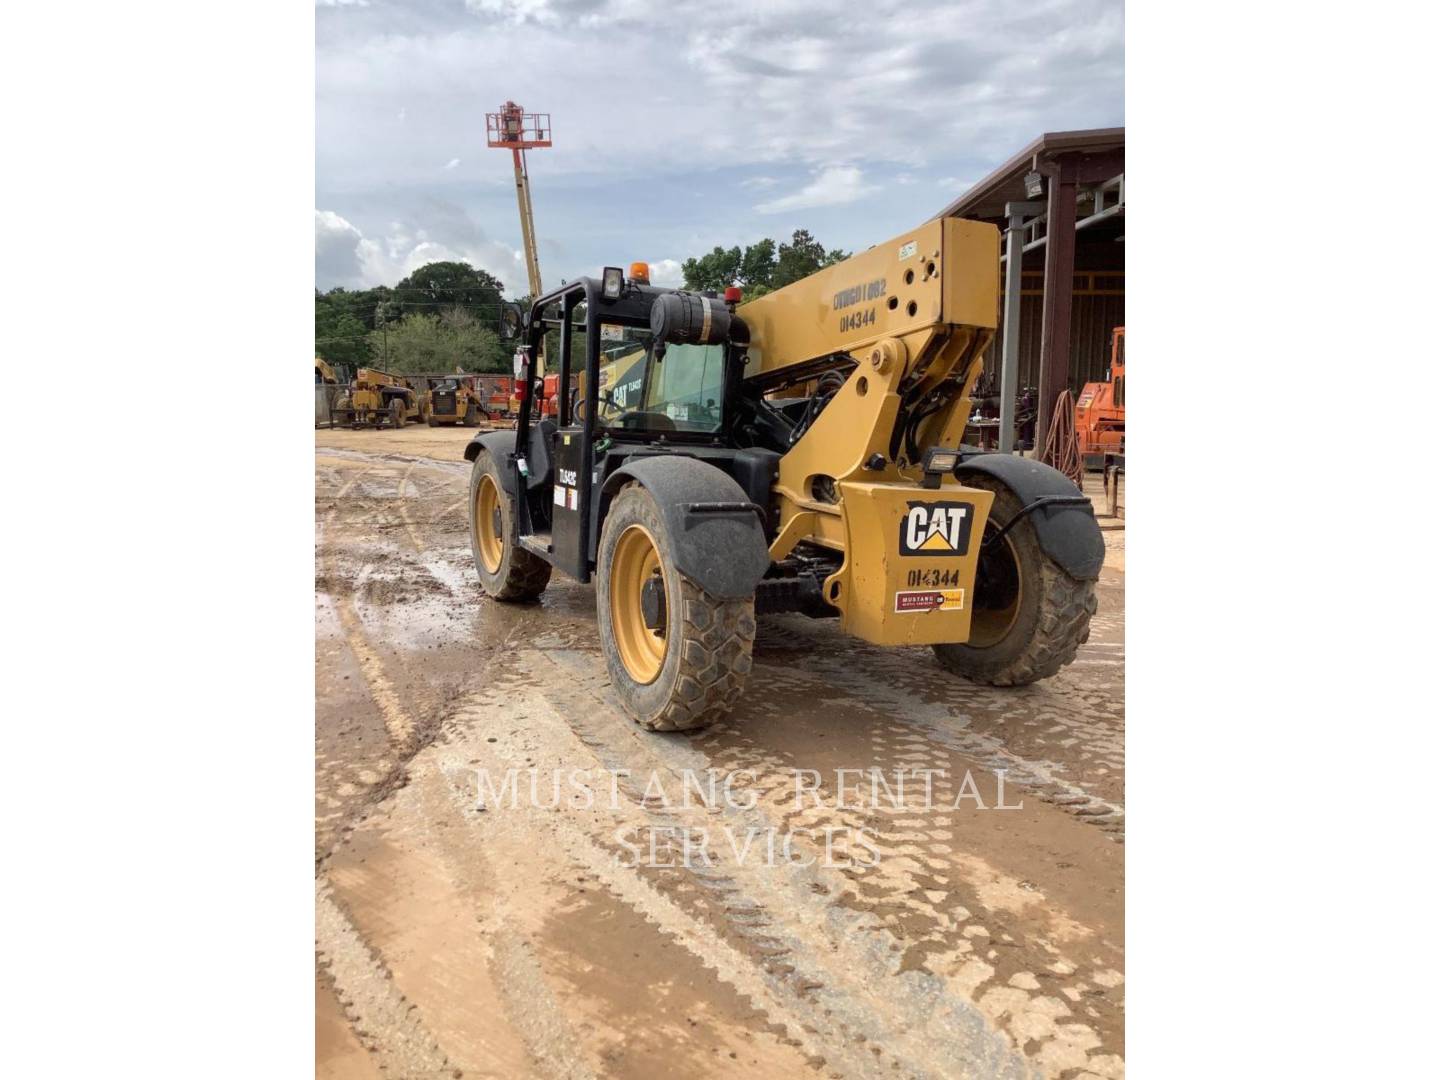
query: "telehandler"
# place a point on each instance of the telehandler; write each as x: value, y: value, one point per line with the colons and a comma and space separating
x: 378, y: 399
x: 698, y: 496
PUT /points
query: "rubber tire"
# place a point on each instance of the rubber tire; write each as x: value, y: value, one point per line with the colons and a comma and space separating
x: 432, y: 422
x: 397, y: 413
x: 522, y: 575
x: 472, y: 416
x: 1054, y: 616
x: 704, y: 670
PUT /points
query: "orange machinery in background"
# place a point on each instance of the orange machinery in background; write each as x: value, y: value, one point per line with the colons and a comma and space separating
x: 549, y: 397
x: 1100, y: 409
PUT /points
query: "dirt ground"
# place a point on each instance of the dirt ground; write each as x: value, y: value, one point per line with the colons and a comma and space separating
x: 464, y: 929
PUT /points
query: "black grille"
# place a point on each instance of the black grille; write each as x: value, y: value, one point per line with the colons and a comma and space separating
x: 445, y: 403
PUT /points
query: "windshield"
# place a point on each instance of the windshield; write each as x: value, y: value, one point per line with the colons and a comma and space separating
x: 682, y: 392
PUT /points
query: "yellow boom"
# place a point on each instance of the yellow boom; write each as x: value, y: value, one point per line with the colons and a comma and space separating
x: 912, y: 318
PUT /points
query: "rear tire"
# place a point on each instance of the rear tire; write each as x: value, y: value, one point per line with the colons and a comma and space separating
x: 397, y: 413
x: 1029, y: 615
x: 696, y: 671
x: 472, y: 416
x: 506, y: 570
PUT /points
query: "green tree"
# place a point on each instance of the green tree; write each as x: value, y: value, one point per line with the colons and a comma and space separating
x: 757, y: 266
x: 762, y: 266
x: 441, y: 285
x: 425, y: 342
x: 340, y: 336
x: 802, y: 257
x: 713, y: 272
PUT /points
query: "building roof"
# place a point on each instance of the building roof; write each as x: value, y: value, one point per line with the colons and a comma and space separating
x: 987, y: 199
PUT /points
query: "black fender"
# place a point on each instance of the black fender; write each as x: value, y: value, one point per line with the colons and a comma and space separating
x: 716, y: 533
x: 1067, y: 531
x: 501, y: 445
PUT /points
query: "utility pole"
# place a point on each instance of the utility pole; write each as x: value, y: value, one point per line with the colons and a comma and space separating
x: 513, y: 129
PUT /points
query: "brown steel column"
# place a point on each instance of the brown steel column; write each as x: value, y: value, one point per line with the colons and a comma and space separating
x: 1059, y: 285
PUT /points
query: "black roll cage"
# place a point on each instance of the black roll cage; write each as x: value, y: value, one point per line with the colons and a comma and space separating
x: 630, y: 308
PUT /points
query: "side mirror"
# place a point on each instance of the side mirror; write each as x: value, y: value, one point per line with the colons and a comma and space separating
x: 512, y: 320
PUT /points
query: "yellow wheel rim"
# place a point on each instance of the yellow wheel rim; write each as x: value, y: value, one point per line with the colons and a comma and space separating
x: 636, y: 561
x: 488, y: 524
x: 998, y: 592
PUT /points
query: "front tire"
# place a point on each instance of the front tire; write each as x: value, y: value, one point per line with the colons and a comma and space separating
x: 397, y: 413
x: 506, y: 570
x: 690, y: 670
x: 1029, y: 615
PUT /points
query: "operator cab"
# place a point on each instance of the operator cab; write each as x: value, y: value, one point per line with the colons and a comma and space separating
x: 657, y: 371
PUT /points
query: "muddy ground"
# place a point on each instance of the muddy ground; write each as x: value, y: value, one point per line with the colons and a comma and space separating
x: 467, y: 929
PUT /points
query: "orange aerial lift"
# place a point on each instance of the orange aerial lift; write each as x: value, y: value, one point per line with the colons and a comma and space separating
x: 513, y: 129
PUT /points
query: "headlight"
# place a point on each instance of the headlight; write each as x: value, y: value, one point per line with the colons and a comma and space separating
x: 941, y: 461
x: 613, y: 280
x: 938, y: 463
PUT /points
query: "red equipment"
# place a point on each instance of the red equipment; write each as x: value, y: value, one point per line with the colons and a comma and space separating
x: 1100, y: 409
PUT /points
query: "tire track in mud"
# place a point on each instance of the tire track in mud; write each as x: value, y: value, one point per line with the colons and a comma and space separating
x: 947, y: 909
x: 844, y: 959
x: 397, y: 721
x: 354, y: 786
x: 890, y: 686
x: 807, y: 984
x: 370, y: 1000
x: 912, y: 913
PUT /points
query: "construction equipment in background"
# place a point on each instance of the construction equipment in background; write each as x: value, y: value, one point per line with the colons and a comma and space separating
x: 379, y: 399
x: 1100, y: 409
x: 453, y: 399
x: 698, y: 497
x: 513, y: 129
x: 328, y: 391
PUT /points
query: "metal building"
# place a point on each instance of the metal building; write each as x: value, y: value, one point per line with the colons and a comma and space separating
x: 1060, y: 202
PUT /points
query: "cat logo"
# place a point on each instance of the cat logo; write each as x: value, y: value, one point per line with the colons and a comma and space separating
x: 938, y: 528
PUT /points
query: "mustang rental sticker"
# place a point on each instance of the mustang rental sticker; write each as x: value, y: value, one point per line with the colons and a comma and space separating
x: 929, y: 600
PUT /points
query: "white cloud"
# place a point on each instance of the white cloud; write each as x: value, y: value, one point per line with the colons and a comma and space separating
x: 345, y: 256
x: 342, y: 3
x: 666, y: 273
x: 516, y: 11
x: 938, y: 84
x: 747, y: 108
x: 833, y: 186
x: 453, y: 163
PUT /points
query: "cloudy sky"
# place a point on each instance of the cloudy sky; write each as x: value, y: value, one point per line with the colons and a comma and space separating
x: 679, y: 126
